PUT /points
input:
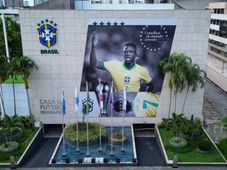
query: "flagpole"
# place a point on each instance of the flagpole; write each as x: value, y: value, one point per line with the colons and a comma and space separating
x: 123, y: 110
x: 100, y: 133
x: 88, y: 153
x: 64, y: 155
x: 122, y: 144
x: 77, y: 137
x: 77, y: 122
x: 5, y: 37
x: 86, y: 110
x: 101, y: 108
x: 111, y: 130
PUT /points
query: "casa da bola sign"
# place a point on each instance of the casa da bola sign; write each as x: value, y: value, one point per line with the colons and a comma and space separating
x: 47, y: 33
x: 50, y: 106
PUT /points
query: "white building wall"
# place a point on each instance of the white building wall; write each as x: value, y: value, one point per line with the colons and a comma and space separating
x: 63, y: 71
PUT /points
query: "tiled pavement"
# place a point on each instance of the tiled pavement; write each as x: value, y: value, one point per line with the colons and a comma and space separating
x: 214, y: 109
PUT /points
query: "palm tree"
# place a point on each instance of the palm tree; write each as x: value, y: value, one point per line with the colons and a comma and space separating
x: 167, y: 67
x: 14, y: 72
x: 175, y: 66
x: 181, y: 62
x: 194, y: 77
x: 4, y: 74
x: 26, y: 65
x: 178, y: 123
x: 10, y: 122
x: 196, y: 127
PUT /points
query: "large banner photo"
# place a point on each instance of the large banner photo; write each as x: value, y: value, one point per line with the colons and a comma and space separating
x: 120, y: 74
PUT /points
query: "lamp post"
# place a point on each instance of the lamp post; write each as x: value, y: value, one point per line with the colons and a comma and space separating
x: 7, y: 55
x: 10, y: 12
x: 3, y: 12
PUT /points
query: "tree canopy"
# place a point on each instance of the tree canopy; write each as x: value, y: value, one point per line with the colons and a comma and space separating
x: 14, y: 38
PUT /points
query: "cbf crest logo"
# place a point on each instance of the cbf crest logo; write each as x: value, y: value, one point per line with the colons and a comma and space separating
x: 47, y: 33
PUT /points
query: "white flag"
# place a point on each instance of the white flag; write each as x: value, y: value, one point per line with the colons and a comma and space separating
x: 124, y: 100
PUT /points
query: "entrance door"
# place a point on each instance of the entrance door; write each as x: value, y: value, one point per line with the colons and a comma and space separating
x: 144, y: 130
x: 52, y: 130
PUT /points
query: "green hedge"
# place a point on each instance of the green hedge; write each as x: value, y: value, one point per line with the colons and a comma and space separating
x: 7, y: 131
x: 18, y: 80
x: 70, y: 132
x: 223, y: 147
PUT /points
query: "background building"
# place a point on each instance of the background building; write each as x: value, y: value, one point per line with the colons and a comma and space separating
x: 14, y: 3
x: 37, y: 2
x: 217, y: 53
x: 1, y: 3
x: 26, y: 4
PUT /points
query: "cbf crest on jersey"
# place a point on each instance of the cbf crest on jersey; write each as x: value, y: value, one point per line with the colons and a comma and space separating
x: 47, y: 33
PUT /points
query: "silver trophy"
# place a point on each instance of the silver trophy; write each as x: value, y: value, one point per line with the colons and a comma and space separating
x: 102, y: 92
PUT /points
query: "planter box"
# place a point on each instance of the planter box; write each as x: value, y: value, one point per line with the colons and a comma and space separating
x: 169, y: 161
x: 33, y: 143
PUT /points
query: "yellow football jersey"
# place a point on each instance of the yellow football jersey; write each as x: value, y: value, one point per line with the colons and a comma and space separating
x: 122, y: 76
x: 146, y: 104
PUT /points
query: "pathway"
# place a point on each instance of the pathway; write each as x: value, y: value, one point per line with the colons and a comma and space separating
x: 41, y: 155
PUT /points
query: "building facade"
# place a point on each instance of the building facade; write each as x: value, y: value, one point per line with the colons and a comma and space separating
x: 1, y: 3
x: 14, y: 3
x: 61, y: 66
x: 37, y: 2
x: 217, y: 52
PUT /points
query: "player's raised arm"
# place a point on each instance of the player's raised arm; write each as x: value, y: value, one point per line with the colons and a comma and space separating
x: 94, y: 63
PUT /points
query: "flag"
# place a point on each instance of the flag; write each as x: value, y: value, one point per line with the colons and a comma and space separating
x: 111, y: 98
x: 88, y: 98
x: 63, y: 107
x: 76, y: 100
x: 101, y: 96
x: 124, y: 99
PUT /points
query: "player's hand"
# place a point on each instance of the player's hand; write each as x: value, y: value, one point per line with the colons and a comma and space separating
x: 150, y: 88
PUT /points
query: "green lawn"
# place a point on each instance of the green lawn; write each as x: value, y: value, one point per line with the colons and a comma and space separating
x: 24, y: 141
x: 19, y: 79
x: 190, y: 153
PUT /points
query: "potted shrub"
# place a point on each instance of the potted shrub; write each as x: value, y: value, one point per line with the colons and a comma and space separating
x: 178, y: 142
x: 204, y: 146
x: 7, y: 134
x: 117, y: 136
x: 9, y: 146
